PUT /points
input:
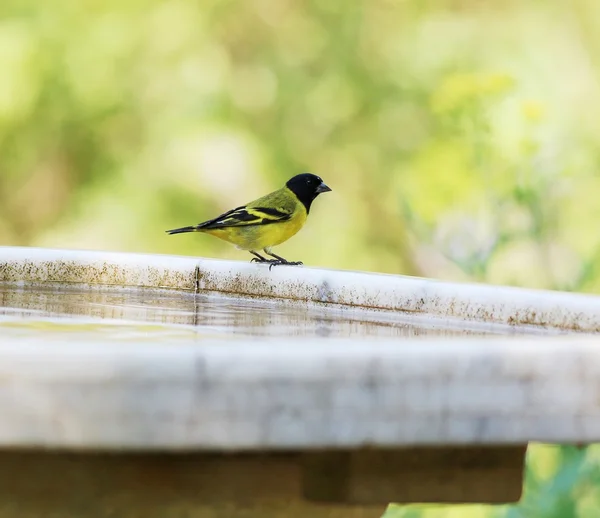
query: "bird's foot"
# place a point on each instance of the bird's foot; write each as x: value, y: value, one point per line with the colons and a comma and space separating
x: 277, y: 262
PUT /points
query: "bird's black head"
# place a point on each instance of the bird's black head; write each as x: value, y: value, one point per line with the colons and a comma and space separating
x: 306, y: 187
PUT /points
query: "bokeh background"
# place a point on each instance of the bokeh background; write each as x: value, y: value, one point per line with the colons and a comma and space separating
x: 460, y: 138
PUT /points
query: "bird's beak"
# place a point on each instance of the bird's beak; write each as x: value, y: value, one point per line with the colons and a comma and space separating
x: 322, y: 188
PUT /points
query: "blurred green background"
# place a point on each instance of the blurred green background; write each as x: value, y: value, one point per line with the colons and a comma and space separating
x: 460, y: 138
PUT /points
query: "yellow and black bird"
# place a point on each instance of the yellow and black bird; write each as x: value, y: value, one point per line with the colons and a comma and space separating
x: 267, y: 221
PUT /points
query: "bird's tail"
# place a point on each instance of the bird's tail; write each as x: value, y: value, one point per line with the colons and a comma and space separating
x: 182, y: 230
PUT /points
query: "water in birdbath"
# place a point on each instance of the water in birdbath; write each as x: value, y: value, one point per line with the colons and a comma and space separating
x: 179, y: 317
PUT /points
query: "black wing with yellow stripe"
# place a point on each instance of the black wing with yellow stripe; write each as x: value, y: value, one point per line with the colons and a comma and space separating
x: 243, y: 216
x: 246, y: 216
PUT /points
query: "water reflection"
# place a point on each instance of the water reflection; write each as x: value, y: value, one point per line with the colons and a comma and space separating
x: 129, y: 312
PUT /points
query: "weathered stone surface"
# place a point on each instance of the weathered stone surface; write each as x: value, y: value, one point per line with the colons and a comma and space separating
x: 478, y: 303
x: 329, y: 400
x: 322, y: 393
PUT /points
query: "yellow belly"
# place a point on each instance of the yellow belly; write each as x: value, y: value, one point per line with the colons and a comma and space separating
x: 259, y: 237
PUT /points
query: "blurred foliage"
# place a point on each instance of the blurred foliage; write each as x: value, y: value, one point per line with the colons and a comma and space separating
x: 460, y: 139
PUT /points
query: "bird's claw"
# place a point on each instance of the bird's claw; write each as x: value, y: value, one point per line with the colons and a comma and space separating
x: 277, y: 262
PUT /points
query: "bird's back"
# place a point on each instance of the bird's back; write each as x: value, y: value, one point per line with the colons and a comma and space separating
x: 282, y: 199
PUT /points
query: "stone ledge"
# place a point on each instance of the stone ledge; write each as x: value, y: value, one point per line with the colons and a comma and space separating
x: 301, y: 394
x: 478, y: 303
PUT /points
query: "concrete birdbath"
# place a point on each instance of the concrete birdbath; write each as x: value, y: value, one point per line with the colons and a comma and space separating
x: 160, y: 386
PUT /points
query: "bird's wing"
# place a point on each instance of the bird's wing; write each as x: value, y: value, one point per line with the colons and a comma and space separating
x: 247, y: 216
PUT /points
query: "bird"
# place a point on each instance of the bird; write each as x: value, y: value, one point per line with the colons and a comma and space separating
x: 267, y: 221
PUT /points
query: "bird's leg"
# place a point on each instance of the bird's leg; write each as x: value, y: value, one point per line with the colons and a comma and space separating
x: 259, y: 258
x: 280, y: 260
